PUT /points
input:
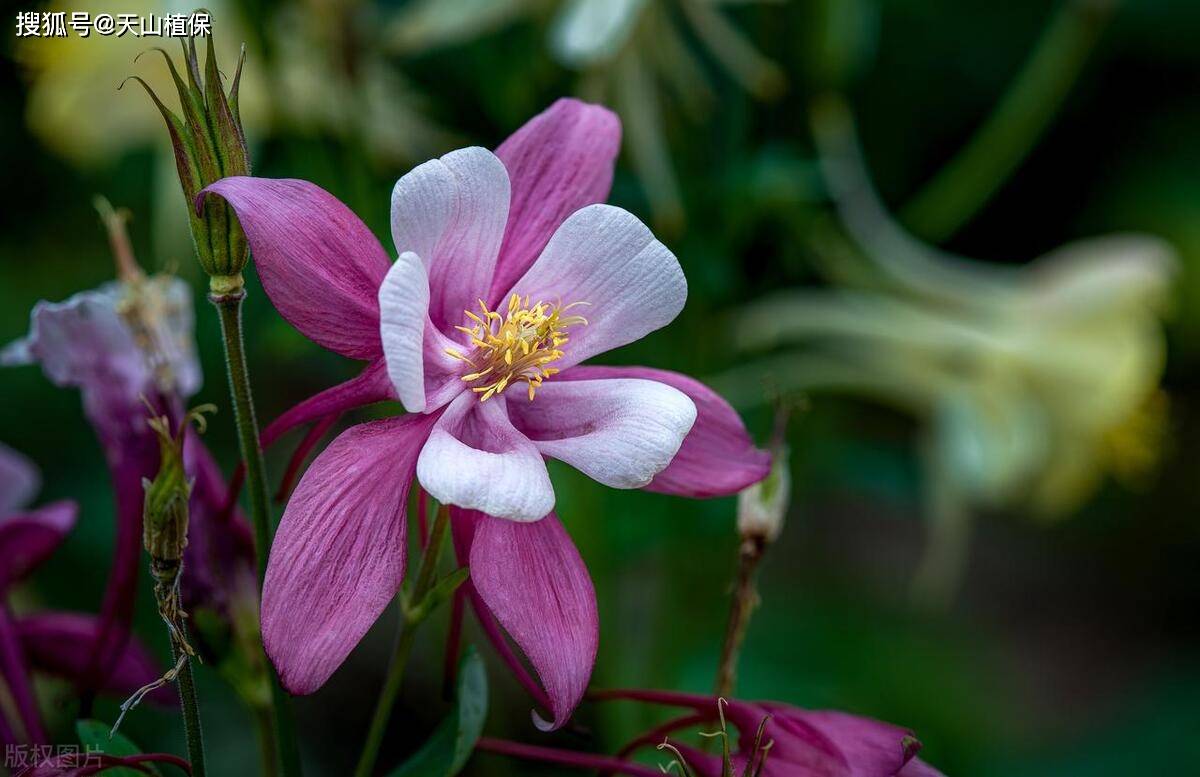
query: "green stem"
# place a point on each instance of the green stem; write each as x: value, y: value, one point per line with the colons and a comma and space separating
x: 229, y: 306
x: 265, y: 728
x: 943, y: 564
x: 969, y: 180
x: 191, y: 713
x: 404, y: 642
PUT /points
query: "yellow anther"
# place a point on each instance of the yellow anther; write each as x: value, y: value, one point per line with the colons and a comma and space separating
x: 515, y: 347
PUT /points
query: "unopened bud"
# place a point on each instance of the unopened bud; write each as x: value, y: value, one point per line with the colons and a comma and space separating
x: 209, y: 145
x: 165, y: 510
x: 762, y: 506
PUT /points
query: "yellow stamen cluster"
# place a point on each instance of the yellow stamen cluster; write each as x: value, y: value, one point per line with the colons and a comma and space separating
x: 515, y: 347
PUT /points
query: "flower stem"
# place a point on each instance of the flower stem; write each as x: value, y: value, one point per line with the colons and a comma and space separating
x: 745, y: 599
x: 968, y: 181
x: 229, y: 306
x: 585, y: 761
x: 404, y: 642
x: 191, y: 711
x: 943, y: 564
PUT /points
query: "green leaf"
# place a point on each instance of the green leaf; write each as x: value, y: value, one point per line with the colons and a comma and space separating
x: 93, y: 735
x: 448, y: 749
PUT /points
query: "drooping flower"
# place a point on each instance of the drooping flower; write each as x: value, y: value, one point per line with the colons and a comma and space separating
x: 786, y: 741
x: 54, y: 642
x: 1032, y: 382
x: 507, y: 275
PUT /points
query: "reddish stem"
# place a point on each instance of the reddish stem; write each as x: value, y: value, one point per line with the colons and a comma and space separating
x: 587, y: 761
x: 311, y: 438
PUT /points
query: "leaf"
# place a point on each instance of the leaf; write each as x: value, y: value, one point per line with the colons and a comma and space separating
x: 93, y: 735
x: 448, y: 749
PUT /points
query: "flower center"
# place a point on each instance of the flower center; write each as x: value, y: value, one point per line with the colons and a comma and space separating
x: 515, y: 347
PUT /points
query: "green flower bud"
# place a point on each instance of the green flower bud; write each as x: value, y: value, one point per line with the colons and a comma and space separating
x: 165, y: 509
x: 209, y: 145
x: 762, y: 506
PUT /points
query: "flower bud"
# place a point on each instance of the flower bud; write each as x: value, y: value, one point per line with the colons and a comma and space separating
x: 209, y: 145
x: 762, y: 506
x: 165, y: 509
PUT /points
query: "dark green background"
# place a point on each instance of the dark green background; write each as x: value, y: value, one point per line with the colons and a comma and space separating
x: 1073, y: 649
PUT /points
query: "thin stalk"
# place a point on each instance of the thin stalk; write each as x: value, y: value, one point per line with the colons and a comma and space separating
x: 426, y: 575
x: 264, y: 727
x: 745, y: 599
x: 940, y: 572
x: 583, y: 761
x: 229, y: 307
x: 191, y: 711
x: 968, y: 181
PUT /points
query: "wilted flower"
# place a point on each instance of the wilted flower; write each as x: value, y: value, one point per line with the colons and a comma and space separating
x: 59, y: 643
x: 630, y: 52
x: 122, y: 345
x: 507, y: 274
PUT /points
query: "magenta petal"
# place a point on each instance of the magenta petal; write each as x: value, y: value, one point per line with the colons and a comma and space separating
x: 532, y: 579
x: 318, y: 262
x: 60, y: 643
x: 338, y: 557
x: 369, y: 386
x: 717, y: 457
x: 27, y: 539
x: 463, y: 532
x: 559, y: 161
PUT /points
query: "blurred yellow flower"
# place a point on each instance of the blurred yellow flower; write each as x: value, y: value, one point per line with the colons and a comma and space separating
x: 74, y: 106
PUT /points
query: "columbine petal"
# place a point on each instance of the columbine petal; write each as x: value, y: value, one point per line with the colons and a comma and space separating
x: 621, y: 431
x: 604, y: 257
x: 475, y: 459
x: 451, y: 212
x: 717, y: 457
x: 404, y: 317
x: 369, y: 386
x: 558, y: 162
x: 338, y: 557
x: 19, y: 480
x: 318, y: 262
x: 60, y: 643
x: 532, y: 579
x: 27, y: 539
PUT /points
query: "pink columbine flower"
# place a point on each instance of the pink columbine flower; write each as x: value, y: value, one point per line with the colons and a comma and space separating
x: 802, y: 743
x: 508, y: 276
x: 59, y: 643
